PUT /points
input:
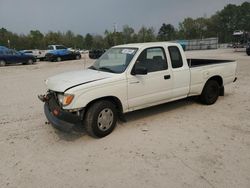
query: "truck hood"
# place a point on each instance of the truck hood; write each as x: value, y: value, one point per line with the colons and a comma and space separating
x: 65, y: 81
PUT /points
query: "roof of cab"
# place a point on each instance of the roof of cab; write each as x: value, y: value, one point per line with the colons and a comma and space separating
x: 146, y: 44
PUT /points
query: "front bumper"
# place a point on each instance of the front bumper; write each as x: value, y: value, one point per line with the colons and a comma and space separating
x: 60, y: 119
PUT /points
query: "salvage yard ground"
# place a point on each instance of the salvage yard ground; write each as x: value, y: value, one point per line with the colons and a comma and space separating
x: 179, y: 144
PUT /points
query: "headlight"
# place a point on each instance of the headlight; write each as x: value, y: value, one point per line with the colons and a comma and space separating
x: 65, y: 99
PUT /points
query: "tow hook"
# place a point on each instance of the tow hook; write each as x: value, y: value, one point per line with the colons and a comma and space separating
x: 43, y: 98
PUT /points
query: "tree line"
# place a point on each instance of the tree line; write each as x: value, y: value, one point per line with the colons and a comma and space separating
x: 222, y: 24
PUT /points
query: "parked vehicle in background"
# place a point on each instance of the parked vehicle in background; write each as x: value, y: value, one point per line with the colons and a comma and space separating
x: 131, y: 77
x: 96, y: 53
x: 38, y: 54
x: 10, y: 56
x: 248, y: 49
x: 84, y: 51
x: 240, y: 38
x: 60, y: 52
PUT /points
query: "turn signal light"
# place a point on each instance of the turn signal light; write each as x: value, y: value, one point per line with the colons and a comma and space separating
x: 67, y: 99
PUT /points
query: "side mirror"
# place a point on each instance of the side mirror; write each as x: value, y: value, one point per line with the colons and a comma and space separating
x: 139, y: 70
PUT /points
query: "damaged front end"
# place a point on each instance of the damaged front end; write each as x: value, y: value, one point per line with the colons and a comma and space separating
x: 64, y: 120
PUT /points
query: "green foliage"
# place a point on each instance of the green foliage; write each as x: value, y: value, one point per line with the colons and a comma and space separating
x: 89, y: 40
x: 128, y: 34
x: 146, y: 34
x: 222, y: 24
x: 167, y: 32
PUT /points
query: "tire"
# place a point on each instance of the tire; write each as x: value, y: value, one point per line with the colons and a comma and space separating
x: 78, y: 57
x: 58, y: 59
x: 100, y: 119
x: 2, y: 63
x: 30, y: 62
x: 210, y: 92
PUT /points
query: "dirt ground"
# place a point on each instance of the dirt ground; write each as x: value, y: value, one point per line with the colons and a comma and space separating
x: 179, y: 144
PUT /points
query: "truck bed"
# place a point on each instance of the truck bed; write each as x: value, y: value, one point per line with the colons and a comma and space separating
x: 203, y: 69
x: 203, y: 62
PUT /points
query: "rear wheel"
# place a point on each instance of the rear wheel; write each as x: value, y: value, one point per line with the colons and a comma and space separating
x: 210, y: 92
x: 100, y: 119
x: 30, y: 61
x: 2, y: 63
x: 78, y: 57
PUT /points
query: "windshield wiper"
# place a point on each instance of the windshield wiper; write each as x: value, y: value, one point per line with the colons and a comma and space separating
x: 106, y: 69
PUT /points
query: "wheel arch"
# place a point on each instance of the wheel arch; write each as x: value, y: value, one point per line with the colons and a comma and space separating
x: 116, y: 101
x: 217, y: 78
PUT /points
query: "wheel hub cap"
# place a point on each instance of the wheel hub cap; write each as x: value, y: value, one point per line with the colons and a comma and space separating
x: 105, y: 119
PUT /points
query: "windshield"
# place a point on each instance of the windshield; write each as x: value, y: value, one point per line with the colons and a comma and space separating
x: 115, y: 60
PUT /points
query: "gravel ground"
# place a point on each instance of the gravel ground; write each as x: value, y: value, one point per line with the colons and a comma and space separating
x: 179, y: 144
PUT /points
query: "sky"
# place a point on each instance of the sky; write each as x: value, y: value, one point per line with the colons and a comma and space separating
x: 95, y: 16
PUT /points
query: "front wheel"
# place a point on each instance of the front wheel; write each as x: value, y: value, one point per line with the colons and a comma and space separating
x: 210, y: 92
x: 100, y: 119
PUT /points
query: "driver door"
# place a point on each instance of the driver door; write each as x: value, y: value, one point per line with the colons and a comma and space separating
x: 153, y: 87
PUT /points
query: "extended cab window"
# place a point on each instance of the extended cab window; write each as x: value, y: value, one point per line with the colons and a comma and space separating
x: 153, y: 59
x: 175, y: 55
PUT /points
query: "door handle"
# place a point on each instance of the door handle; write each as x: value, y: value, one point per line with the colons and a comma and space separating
x: 166, y: 77
x: 134, y: 82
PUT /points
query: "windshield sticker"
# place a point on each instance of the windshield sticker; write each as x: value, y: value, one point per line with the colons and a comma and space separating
x: 128, y: 51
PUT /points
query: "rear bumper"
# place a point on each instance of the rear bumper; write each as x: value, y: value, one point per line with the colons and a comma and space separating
x: 60, y: 119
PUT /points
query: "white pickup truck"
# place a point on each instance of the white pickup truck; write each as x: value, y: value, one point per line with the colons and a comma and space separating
x: 131, y: 77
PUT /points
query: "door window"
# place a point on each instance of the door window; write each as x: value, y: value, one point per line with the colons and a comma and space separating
x: 153, y: 59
